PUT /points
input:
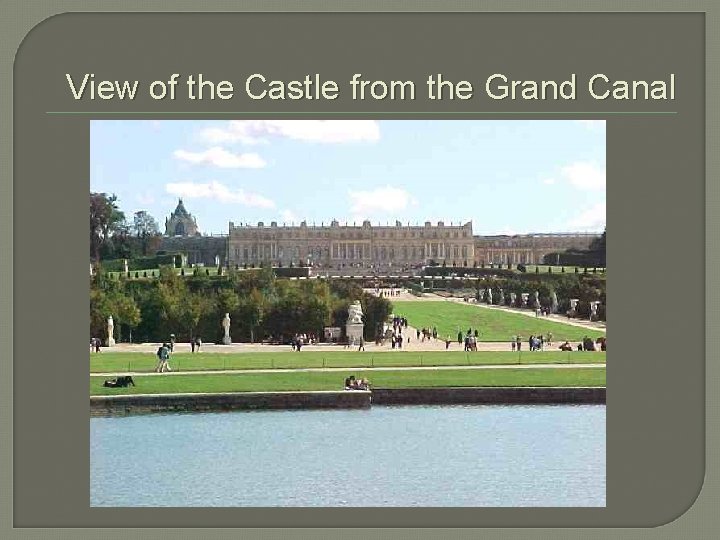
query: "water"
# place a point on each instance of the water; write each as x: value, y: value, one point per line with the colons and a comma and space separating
x: 384, y: 456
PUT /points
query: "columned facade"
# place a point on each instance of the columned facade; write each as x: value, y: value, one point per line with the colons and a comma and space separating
x: 341, y: 246
x: 527, y: 248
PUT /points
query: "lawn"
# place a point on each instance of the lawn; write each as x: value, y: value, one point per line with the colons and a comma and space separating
x: 114, y: 362
x: 493, y: 324
x: 288, y: 381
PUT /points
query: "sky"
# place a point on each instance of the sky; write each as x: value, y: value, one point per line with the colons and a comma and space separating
x: 507, y: 177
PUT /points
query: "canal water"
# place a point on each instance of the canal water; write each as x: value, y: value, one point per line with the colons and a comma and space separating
x: 476, y: 455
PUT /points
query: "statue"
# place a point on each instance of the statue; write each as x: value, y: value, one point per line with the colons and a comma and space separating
x: 553, y: 302
x: 572, y: 312
x: 489, y: 296
x: 226, y: 327
x: 501, y: 298
x: 110, y: 331
x: 354, y: 327
x: 126, y: 269
x: 355, y: 313
x: 594, y: 310
x: 513, y: 299
x: 536, y: 300
x: 524, y: 296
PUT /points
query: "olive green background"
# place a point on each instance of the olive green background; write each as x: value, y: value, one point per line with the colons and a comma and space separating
x: 658, y: 450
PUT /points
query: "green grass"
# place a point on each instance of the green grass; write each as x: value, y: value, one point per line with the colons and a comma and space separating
x: 269, y: 382
x: 493, y: 324
x: 113, y: 362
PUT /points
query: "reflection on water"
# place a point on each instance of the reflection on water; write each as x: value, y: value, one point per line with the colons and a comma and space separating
x: 385, y: 456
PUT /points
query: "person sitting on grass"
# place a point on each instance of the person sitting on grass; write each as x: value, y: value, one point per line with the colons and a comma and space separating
x: 566, y: 346
x: 350, y: 382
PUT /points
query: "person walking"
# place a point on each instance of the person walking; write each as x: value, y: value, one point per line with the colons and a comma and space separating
x: 163, y: 354
x: 362, y: 344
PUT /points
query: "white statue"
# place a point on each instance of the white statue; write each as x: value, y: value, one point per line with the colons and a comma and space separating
x: 110, y: 331
x: 226, y: 327
x: 355, y: 313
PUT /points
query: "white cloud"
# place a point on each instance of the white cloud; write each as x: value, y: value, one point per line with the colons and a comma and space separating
x: 219, y: 192
x: 384, y: 200
x: 219, y: 157
x: 592, y: 219
x: 319, y: 131
x: 584, y: 175
x: 548, y: 181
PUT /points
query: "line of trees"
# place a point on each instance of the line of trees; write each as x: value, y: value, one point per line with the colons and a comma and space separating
x: 260, y: 306
x: 113, y: 237
x: 565, y: 287
x: 594, y: 256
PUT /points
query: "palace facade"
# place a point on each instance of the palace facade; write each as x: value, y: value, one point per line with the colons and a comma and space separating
x: 337, y: 247
x: 356, y: 246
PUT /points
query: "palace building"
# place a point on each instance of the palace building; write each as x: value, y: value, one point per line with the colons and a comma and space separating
x: 362, y: 246
x: 337, y: 247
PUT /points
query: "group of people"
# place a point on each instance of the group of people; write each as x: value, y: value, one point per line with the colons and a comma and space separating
x: 470, y: 340
x: 351, y: 383
x: 298, y: 340
x: 426, y: 333
x: 94, y: 344
x: 535, y: 343
x: 587, y: 344
x: 397, y: 338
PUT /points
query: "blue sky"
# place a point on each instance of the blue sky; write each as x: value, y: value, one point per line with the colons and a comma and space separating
x: 508, y: 177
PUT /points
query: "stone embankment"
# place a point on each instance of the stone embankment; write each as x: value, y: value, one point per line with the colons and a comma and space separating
x: 356, y: 399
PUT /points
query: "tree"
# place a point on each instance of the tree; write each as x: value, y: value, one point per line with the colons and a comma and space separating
x: 125, y: 312
x: 105, y: 219
x: 146, y: 229
x: 376, y: 311
x: 598, y: 249
x: 194, y: 307
x: 251, y: 311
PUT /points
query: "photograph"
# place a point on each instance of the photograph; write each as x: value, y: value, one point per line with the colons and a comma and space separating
x: 347, y: 313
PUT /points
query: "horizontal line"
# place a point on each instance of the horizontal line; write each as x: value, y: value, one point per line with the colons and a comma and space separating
x: 370, y: 113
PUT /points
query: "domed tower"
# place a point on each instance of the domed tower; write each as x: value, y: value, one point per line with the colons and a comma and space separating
x: 181, y: 222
